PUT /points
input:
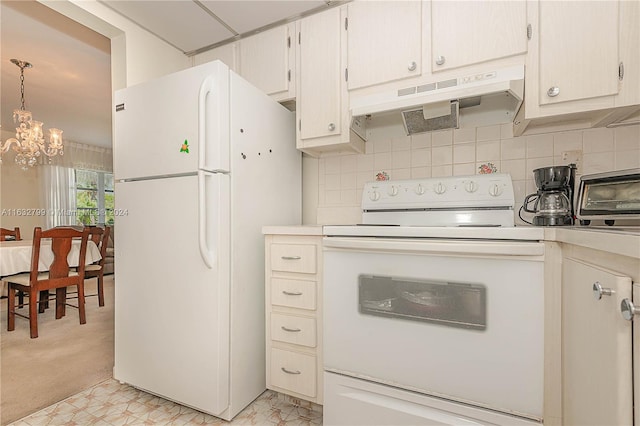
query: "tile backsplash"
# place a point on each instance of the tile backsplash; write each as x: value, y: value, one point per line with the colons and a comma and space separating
x: 341, y: 178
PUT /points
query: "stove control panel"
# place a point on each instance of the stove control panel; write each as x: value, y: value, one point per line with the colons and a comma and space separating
x: 454, y: 192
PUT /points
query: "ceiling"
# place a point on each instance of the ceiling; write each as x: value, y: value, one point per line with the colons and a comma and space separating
x: 195, y: 25
x: 69, y: 86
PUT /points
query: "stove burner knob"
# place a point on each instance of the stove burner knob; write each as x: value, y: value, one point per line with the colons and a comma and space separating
x: 419, y: 189
x: 495, y: 190
x: 374, y: 196
x: 439, y: 188
x: 393, y: 190
x: 471, y: 186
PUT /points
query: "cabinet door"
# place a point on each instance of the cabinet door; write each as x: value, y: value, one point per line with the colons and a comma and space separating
x: 265, y: 61
x: 469, y: 32
x: 226, y: 53
x: 384, y: 41
x: 596, y: 348
x: 578, y: 50
x: 636, y: 353
x: 319, y: 91
x: 629, y: 57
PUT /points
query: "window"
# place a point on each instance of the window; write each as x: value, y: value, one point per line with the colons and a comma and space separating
x: 94, y: 197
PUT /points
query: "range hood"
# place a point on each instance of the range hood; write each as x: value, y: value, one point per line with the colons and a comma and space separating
x: 481, y: 99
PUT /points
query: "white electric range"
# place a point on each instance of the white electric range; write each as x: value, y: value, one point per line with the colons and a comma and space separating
x: 433, y: 307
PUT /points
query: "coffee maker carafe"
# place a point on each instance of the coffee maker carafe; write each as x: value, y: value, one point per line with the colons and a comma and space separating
x: 553, y: 202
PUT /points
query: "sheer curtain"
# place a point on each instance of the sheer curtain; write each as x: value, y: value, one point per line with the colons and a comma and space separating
x: 59, y: 195
x: 88, y: 157
x: 58, y: 182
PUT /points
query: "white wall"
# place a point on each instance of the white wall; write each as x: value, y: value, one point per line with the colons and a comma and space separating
x: 340, y: 179
x: 20, y: 198
x: 136, y: 54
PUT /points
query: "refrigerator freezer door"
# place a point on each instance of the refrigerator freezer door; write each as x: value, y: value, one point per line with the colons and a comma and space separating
x: 175, y: 124
x: 171, y: 308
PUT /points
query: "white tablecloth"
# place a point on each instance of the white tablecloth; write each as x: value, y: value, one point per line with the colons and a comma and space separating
x: 15, y: 256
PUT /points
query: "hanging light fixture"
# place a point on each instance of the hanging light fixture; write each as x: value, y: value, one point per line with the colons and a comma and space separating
x: 29, y: 142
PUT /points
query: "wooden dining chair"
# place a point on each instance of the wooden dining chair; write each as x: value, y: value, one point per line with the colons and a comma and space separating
x: 100, y: 237
x: 13, y: 235
x: 10, y: 234
x: 59, y: 277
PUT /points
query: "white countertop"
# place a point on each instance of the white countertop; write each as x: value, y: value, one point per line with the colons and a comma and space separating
x: 624, y: 241
x: 292, y: 230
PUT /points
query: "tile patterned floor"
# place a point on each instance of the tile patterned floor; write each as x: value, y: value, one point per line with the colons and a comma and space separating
x: 113, y: 404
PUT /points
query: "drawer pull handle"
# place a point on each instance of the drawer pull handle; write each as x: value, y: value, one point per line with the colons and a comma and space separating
x: 291, y: 257
x: 292, y: 330
x: 290, y: 371
x: 599, y: 291
x: 292, y: 293
x: 629, y: 310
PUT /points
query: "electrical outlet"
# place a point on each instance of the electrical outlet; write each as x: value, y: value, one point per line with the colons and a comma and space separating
x: 575, y: 157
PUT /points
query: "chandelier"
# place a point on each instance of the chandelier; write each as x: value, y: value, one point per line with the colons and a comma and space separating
x: 29, y: 142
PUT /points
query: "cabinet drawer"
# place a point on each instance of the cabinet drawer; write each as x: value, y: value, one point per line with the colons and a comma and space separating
x: 293, y: 329
x: 293, y: 293
x: 293, y: 371
x: 293, y: 258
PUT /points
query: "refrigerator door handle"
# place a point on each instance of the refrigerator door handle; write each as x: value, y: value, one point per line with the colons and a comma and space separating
x: 206, y: 87
x: 206, y: 254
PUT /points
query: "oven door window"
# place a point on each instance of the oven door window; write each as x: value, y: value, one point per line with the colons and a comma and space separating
x: 448, y: 303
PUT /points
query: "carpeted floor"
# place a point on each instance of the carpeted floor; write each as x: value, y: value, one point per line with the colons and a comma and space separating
x: 64, y: 360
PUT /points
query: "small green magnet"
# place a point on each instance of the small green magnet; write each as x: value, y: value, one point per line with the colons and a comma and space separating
x: 185, y: 147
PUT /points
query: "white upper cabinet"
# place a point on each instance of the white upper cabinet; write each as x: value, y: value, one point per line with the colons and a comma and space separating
x: 322, y: 99
x: 470, y: 32
x: 266, y: 60
x: 384, y: 41
x: 578, y: 47
x: 629, y: 57
x: 319, y: 93
x: 582, y: 65
x: 572, y: 60
x: 226, y: 53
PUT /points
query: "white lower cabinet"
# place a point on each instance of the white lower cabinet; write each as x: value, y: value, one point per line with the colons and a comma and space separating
x: 293, y: 310
x: 636, y: 354
x: 294, y: 371
x: 597, y: 341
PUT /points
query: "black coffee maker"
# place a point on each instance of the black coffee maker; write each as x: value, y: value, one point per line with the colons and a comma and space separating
x: 553, y: 203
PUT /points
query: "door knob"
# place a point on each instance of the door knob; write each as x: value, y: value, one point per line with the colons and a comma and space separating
x: 331, y: 127
x: 599, y: 291
x: 412, y: 66
x: 440, y: 60
x: 628, y: 309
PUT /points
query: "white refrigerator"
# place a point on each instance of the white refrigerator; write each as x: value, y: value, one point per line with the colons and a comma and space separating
x: 202, y: 160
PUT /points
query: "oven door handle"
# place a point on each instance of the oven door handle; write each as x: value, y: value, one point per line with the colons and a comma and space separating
x: 462, y: 247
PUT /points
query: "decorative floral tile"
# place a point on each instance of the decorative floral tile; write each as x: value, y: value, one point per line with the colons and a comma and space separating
x: 487, y: 168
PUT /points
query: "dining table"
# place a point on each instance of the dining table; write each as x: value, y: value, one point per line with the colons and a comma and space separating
x: 15, y: 257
